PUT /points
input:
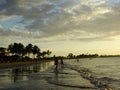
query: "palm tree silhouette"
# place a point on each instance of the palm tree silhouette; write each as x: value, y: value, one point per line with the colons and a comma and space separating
x: 29, y: 48
x: 35, y: 50
x: 16, y: 48
x: 48, y: 52
x: 10, y: 49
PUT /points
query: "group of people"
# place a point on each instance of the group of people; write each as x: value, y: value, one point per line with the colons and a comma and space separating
x: 58, y: 62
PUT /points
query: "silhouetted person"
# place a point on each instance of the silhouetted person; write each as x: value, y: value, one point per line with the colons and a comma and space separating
x: 56, y: 63
x: 61, y: 62
x: 77, y: 60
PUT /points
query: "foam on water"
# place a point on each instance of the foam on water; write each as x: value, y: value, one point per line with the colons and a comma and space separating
x: 71, y: 79
x: 102, y: 72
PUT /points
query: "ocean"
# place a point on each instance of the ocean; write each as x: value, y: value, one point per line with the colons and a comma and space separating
x: 104, y: 69
x: 85, y: 74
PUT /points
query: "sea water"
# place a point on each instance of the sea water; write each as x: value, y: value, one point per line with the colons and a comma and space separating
x: 74, y: 75
x: 106, y: 69
x: 21, y: 78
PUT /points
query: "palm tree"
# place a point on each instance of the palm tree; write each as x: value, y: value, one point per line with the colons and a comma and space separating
x: 2, y: 51
x: 24, y: 52
x: 16, y: 48
x: 28, y: 49
x: 10, y: 49
x: 20, y: 48
x: 43, y: 54
x: 48, y: 52
x: 39, y: 54
x: 35, y: 50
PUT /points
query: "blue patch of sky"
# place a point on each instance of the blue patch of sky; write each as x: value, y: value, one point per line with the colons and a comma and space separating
x: 2, y: 2
x: 11, y: 22
x: 15, y: 21
x: 112, y: 2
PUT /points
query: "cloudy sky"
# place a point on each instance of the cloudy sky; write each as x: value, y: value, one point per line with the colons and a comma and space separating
x: 62, y: 26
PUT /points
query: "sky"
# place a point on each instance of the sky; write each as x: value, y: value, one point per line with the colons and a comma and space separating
x: 62, y: 26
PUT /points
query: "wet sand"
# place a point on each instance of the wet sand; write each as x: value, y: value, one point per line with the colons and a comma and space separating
x: 21, y: 64
x: 64, y: 78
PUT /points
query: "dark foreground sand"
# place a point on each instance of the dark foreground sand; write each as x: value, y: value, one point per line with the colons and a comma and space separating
x: 18, y: 64
x: 64, y: 78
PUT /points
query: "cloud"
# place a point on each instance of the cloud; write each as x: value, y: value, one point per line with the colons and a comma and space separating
x: 52, y: 20
x: 4, y: 17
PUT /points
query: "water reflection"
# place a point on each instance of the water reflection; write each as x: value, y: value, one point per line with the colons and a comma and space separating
x: 22, y: 73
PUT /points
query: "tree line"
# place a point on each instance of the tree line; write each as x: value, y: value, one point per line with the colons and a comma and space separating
x: 19, y: 50
x: 72, y: 56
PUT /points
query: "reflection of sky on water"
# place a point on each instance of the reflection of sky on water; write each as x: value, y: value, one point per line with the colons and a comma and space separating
x: 8, y: 76
x: 42, y: 77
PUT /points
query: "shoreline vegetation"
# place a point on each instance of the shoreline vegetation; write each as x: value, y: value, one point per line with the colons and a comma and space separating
x: 17, y: 54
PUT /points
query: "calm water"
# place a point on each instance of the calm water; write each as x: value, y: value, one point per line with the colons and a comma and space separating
x: 11, y: 78
x: 43, y: 77
x: 103, y: 68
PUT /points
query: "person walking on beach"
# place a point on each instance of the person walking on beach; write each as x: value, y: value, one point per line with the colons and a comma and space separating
x: 77, y: 60
x: 56, y: 63
x: 61, y: 62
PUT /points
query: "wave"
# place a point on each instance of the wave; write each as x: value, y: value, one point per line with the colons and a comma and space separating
x: 71, y: 86
x: 102, y: 83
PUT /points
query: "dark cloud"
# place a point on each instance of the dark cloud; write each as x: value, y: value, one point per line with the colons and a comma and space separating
x: 58, y: 17
x: 7, y: 4
x: 13, y: 32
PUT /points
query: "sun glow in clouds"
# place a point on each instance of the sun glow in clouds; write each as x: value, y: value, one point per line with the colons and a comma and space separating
x: 62, y: 25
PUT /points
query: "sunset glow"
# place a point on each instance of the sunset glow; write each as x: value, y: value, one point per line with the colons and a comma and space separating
x: 62, y: 26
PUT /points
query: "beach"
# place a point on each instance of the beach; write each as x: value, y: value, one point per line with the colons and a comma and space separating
x: 72, y: 75
x: 21, y: 63
x: 45, y: 79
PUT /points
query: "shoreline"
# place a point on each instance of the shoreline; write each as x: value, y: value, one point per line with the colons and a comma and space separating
x: 21, y: 64
x: 99, y: 83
